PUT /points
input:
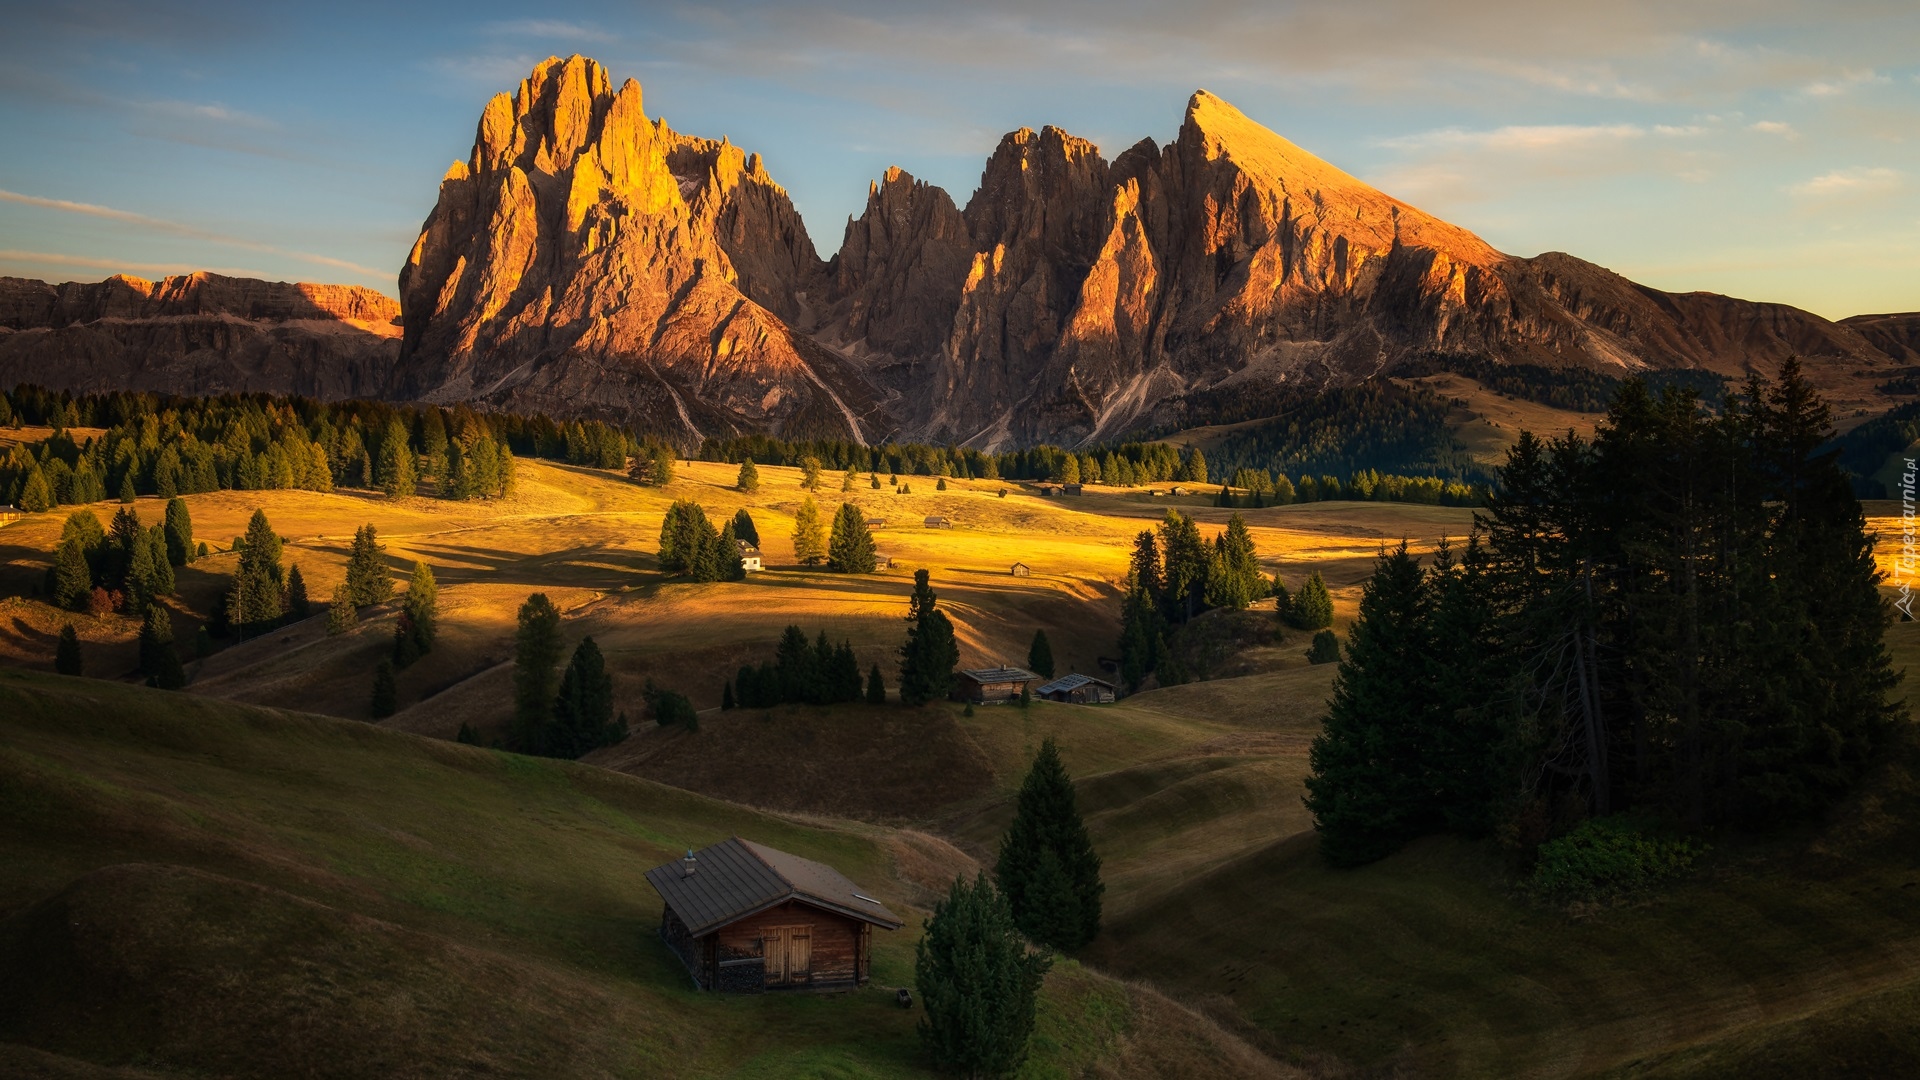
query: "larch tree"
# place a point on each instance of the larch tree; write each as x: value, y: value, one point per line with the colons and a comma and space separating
x: 749, y: 478
x: 809, y: 536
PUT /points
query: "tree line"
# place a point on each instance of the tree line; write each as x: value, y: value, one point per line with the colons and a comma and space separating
x: 1258, y: 488
x: 1124, y: 464
x: 1679, y: 617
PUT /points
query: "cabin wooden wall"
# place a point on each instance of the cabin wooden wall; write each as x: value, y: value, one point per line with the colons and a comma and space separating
x: 836, y: 941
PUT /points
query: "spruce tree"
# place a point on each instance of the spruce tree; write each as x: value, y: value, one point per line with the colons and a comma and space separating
x: 66, y: 655
x: 1040, y: 655
x: 850, y: 550
x: 1061, y: 914
x: 395, y: 473
x: 140, y: 581
x: 1233, y: 570
x: 1368, y: 790
x: 367, y: 579
x: 179, y: 527
x: 298, y: 605
x: 537, y: 649
x: 1325, y: 648
x: 749, y: 479
x: 342, y: 616
x: 930, y: 653
x: 162, y: 574
x: 385, y: 695
x: 127, y: 494
x: 583, y: 706
x: 743, y: 527
x: 36, y: 495
x: 1313, y: 605
x: 809, y: 537
x: 72, y: 581
x: 876, y: 687
x: 978, y: 983
x: 159, y: 660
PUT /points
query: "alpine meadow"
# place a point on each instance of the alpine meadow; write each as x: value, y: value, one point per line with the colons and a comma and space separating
x: 1173, y: 609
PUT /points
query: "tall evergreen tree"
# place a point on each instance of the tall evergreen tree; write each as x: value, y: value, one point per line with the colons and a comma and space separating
x: 876, y: 687
x: 537, y: 648
x: 396, y: 473
x: 749, y: 478
x: 72, y: 581
x: 66, y: 655
x: 162, y: 574
x: 414, y: 631
x: 1040, y: 655
x: 689, y: 545
x: 342, y: 616
x: 1367, y: 791
x: 809, y: 537
x: 583, y: 706
x: 1183, y: 564
x: 1059, y: 905
x: 368, y: 581
x: 1313, y: 605
x: 978, y: 983
x: 179, y: 526
x: 930, y: 654
x: 298, y: 606
x: 159, y: 660
x: 810, y: 473
x: 257, y: 598
x: 743, y: 527
x: 1233, y: 569
x: 850, y: 550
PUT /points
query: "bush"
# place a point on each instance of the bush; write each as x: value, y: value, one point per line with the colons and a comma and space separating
x: 1325, y: 648
x: 1608, y: 856
x: 671, y: 707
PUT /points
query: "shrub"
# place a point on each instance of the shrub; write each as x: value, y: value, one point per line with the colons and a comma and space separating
x: 1609, y: 856
x: 1325, y: 648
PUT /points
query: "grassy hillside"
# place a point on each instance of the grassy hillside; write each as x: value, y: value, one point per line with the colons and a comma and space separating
x: 195, y: 887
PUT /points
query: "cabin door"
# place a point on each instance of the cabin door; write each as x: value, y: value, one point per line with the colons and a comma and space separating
x: 789, y: 954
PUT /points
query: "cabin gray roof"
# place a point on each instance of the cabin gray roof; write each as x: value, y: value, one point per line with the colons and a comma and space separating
x: 737, y: 878
x: 1000, y: 674
x: 1071, y: 682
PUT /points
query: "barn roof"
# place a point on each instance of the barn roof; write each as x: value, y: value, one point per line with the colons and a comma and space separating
x: 1071, y: 682
x: 736, y: 878
x: 1000, y: 674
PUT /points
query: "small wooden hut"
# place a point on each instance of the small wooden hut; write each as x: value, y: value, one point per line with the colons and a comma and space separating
x: 1077, y: 689
x: 983, y: 686
x: 935, y: 521
x: 1020, y: 569
x: 745, y: 918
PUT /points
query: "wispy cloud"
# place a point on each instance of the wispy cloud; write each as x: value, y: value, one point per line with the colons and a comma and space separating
x: 177, y: 229
x: 208, y: 111
x: 1524, y: 138
x: 50, y: 258
x: 545, y: 30
x: 1774, y: 127
x: 1849, y: 182
x: 1845, y: 82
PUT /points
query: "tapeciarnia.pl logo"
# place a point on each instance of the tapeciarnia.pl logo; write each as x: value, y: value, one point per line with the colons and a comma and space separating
x: 1905, y: 567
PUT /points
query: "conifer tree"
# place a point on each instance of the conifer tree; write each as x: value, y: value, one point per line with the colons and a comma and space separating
x: 385, y: 695
x: 179, y: 526
x: 298, y: 605
x: 1325, y: 648
x: 414, y: 631
x: 810, y: 473
x: 257, y: 598
x: 727, y: 703
x: 396, y: 473
x: 930, y: 654
x: 583, y: 706
x: 140, y: 576
x: 749, y: 479
x: 1368, y: 790
x: 159, y: 661
x: 1313, y: 605
x: 809, y: 536
x: 1040, y: 655
x: 342, y: 616
x: 1183, y: 566
x: 688, y: 544
x: 127, y: 494
x: 850, y: 549
x: 537, y: 648
x: 1233, y: 570
x: 66, y: 655
x: 743, y: 527
x: 733, y: 567
x: 876, y: 687
x: 367, y: 579
x: 72, y: 581
x: 1060, y: 908
x: 162, y: 574
x: 978, y: 983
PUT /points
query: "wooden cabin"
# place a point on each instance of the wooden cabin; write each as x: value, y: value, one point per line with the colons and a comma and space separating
x: 10, y: 513
x: 1071, y: 489
x: 1078, y: 690
x: 935, y: 521
x: 876, y: 523
x: 745, y: 918
x: 1045, y: 490
x: 749, y: 556
x: 1020, y: 569
x: 985, y: 686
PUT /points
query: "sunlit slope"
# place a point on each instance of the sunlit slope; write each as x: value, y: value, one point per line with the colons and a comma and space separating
x: 209, y: 889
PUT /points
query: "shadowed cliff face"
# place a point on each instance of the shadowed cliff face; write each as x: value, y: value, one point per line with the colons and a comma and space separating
x: 198, y: 334
x: 586, y: 261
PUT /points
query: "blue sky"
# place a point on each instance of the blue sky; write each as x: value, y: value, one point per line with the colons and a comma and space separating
x: 1762, y: 148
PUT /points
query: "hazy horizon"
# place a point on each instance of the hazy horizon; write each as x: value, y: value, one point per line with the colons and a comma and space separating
x: 1760, y: 150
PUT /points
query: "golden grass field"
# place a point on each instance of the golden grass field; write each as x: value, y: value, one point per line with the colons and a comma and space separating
x: 1426, y: 964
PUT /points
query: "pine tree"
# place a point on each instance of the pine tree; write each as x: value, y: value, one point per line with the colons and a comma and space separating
x: 162, y: 576
x: 537, y: 648
x: 743, y: 527
x: 850, y: 550
x: 1233, y: 572
x: 179, y: 526
x: 583, y: 706
x: 749, y: 479
x: 1325, y: 648
x: 688, y: 544
x: 1368, y: 790
x: 342, y: 616
x: 809, y: 537
x: 1040, y: 655
x: 385, y: 695
x: 395, y: 473
x: 72, y: 581
x: 127, y: 494
x: 159, y: 661
x: 1047, y: 822
x: 414, y: 631
x: 876, y: 688
x: 930, y: 654
x: 367, y: 579
x: 140, y: 576
x: 1313, y: 606
x: 66, y: 655
x: 978, y: 983
x: 298, y: 605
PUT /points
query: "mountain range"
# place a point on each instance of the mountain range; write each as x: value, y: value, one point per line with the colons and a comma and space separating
x: 587, y: 261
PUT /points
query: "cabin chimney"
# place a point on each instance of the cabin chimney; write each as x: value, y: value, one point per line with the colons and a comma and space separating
x: 687, y: 866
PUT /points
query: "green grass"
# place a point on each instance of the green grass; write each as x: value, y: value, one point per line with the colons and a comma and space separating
x: 199, y: 888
